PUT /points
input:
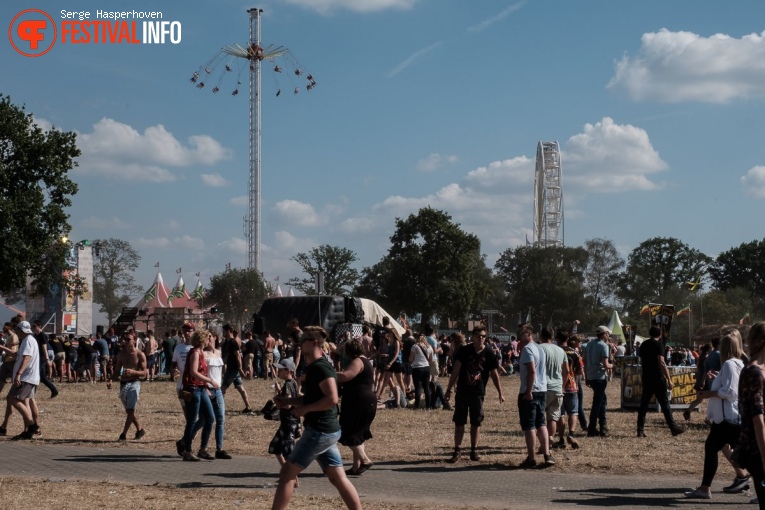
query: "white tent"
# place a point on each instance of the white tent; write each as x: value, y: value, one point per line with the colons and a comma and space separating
x: 615, y: 325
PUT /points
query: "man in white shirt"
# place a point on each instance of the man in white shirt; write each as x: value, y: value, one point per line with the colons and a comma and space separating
x: 26, y: 377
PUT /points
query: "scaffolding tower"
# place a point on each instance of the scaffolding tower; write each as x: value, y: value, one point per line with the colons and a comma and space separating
x: 548, y: 196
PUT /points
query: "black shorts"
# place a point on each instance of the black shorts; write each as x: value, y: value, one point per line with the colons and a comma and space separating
x: 395, y: 368
x: 467, y: 404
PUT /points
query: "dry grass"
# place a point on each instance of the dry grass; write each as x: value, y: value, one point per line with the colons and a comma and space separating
x: 22, y: 493
x: 92, y: 415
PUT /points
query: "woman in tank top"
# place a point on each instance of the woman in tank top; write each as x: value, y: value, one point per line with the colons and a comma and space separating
x: 214, y: 362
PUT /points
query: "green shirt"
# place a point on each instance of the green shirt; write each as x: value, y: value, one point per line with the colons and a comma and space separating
x: 320, y: 421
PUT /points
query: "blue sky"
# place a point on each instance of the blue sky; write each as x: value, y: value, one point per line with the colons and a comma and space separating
x: 657, y: 106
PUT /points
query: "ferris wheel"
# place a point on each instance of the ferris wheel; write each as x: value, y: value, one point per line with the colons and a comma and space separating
x: 548, y: 196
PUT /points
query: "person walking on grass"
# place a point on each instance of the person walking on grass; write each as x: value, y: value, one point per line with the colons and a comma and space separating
x: 234, y: 368
x: 723, y: 418
x: 474, y: 364
x: 656, y: 381
x: 556, y: 370
x: 597, y: 364
x: 532, y: 397
x: 133, y: 365
x: 318, y: 407
x: 25, y: 378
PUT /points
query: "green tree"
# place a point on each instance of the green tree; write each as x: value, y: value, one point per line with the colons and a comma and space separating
x: 547, y: 282
x: 742, y: 267
x: 430, y: 268
x: 35, y: 191
x: 601, y: 276
x: 237, y: 293
x: 723, y: 307
x: 657, y: 267
x: 114, y: 262
x: 371, y: 285
x: 335, y: 262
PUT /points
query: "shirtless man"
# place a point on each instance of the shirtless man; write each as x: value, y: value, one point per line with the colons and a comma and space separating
x: 150, y: 348
x: 9, y: 349
x: 133, y: 364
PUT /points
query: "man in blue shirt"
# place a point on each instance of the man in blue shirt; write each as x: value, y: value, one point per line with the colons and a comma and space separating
x: 596, y: 360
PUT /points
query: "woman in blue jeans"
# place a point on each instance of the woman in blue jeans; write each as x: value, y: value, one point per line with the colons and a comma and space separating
x: 195, y: 382
x: 215, y: 372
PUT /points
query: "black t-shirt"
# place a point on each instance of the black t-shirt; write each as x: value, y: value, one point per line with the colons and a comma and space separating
x: 377, y: 337
x: 406, y: 350
x: 87, y: 349
x: 475, y: 369
x: 42, y: 343
x: 321, y: 421
x: 650, y: 350
x: 56, y: 345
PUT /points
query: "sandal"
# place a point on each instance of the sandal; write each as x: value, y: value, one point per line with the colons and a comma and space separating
x: 474, y: 456
x: 455, y: 456
x: 364, y: 467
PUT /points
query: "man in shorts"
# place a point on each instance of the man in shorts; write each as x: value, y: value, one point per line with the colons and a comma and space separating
x: 318, y: 407
x: 571, y: 383
x: 133, y: 365
x: 556, y: 370
x: 532, y: 397
x: 9, y: 351
x: 474, y: 364
x: 26, y: 377
x: 234, y: 368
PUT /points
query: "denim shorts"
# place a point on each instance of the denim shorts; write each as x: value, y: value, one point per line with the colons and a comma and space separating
x: 232, y: 376
x: 129, y: 393
x: 532, y: 412
x: 570, y: 404
x: 318, y: 446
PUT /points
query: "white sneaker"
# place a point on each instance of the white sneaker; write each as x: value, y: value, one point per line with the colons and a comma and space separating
x: 698, y: 494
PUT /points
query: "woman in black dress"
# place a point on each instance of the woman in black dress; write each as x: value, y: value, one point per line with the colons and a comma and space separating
x: 359, y: 404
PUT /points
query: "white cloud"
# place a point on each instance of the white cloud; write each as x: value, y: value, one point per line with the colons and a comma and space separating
x: 609, y: 157
x: 296, y: 214
x: 435, y: 161
x: 185, y: 242
x: 683, y: 66
x: 326, y: 6
x: 214, y: 180
x: 119, y: 151
x: 496, y: 18
x: 235, y: 245
x: 240, y: 201
x: 43, y: 124
x: 499, y: 177
x: 411, y: 58
x: 754, y: 182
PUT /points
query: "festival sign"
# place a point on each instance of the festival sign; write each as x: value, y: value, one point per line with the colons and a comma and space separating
x: 661, y: 315
x: 683, y: 391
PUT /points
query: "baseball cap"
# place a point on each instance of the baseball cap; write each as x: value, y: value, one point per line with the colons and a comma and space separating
x: 189, y: 326
x: 286, y: 364
x: 25, y: 327
x: 603, y: 329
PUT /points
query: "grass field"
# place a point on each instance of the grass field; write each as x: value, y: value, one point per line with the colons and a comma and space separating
x: 89, y: 414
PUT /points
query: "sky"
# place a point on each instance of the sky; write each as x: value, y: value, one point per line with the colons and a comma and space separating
x: 657, y: 107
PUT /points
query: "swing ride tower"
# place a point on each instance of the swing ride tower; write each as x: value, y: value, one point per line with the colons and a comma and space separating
x: 548, y: 196
x: 252, y: 220
x: 235, y: 60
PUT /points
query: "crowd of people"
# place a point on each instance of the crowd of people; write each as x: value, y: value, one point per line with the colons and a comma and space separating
x: 384, y: 369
